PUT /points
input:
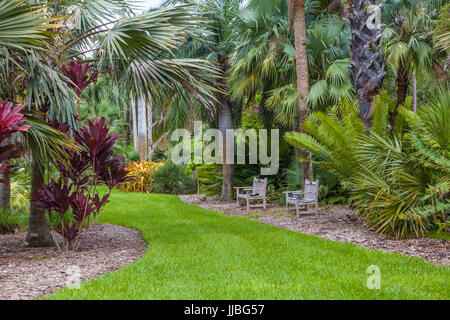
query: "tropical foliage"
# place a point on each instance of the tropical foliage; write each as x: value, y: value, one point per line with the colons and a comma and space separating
x: 72, y: 200
x: 141, y: 174
x: 233, y: 64
x: 399, y: 183
x: 171, y: 178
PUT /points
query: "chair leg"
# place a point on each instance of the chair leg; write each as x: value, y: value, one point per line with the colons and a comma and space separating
x: 264, y: 202
x: 297, y: 213
x: 317, y: 209
x: 237, y: 197
x: 248, y: 204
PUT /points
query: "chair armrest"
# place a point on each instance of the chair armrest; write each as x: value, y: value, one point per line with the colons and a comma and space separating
x: 295, y: 192
x: 243, y: 187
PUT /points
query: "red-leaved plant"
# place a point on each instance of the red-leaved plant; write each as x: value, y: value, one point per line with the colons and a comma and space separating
x: 73, y: 201
x: 11, y: 120
x: 78, y: 73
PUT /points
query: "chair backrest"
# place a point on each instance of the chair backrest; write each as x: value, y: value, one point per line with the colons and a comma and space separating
x: 259, y: 186
x: 311, y: 190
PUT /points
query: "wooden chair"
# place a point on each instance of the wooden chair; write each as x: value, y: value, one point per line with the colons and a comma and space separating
x: 309, y: 196
x: 255, y: 192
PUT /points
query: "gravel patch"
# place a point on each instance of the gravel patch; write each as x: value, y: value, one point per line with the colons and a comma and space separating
x: 338, y: 223
x: 28, y: 273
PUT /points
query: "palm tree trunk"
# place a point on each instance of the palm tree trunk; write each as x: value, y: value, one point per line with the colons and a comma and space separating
x: 301, y: 58
x: 38, y: 234
x: 402, y: 90
x: 414, y: 93
x: 366, y: 53
x: 135, y: 123
x: 5, y: 190
x: 149, y: 130
x: 226, y: 122
x: 142, y: 128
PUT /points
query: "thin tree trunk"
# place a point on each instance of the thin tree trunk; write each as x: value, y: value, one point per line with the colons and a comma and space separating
x: 226, y: 122
x: 135, y: 123
x: 334, y: 7
x: 38, y: 234
x: 301, y: 57
x: 142, y: 128
x: 5, y: 190
x: 402, y: 90
x: 149, y: 130
x: 414, y: 93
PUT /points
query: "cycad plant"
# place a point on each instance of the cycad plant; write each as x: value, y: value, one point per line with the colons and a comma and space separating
x: 399, y: 182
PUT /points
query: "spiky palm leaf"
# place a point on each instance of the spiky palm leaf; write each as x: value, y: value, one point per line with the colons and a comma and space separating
x: 401, y: 182
x: 23, y: 25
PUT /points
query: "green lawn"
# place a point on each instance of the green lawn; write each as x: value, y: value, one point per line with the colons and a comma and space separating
x: 198, y: 254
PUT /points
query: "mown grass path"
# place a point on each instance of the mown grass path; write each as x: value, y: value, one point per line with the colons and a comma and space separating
x: 198, y: 254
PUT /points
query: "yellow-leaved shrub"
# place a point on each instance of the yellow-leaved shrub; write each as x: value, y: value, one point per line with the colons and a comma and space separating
x: 142, y: 174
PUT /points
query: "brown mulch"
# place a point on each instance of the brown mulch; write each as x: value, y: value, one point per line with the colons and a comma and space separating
x: 28, y: 273
x: 337, y: 223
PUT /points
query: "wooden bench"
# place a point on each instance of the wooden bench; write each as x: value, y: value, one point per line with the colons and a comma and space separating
x: 303, y: 198
x: 255, y: 192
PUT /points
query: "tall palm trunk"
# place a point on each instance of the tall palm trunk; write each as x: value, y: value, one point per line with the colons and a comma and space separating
x: 142, y: 128
x: 133, y: 107
x: 366, y: 53
x: 225, y: 122
x: 38, y: 231
x: 414, y: 93
x: 402, y: 82
x: 149, y: 130
x: 301, y: 58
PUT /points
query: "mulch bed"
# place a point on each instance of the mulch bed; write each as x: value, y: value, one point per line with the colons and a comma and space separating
x: 337, y: 223
x: 28, y: 273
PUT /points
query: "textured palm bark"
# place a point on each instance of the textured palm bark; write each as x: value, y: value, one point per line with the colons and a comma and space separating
x: 414, y: 93
x: 149, y: 130
x: 133, y: 107
x: 142, y: 128
x: 334, y: 7
x: 225, y: 122
x: 367, y: 64
x: 402, y: 82
x: 301, y: 61
x: 38, y: 234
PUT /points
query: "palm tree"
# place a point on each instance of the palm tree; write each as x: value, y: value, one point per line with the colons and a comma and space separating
x: 366, y: 53
x: 108, y: 35
x: 301, y: 60
x: 216, y: 46
x: 259, y: 62
x: 409, y: 46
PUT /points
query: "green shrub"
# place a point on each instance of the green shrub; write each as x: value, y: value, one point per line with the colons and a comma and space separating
x: 399, y: 180
x: 210, y: 179
x: 10, y: 220
x: 132, y: 155
x: 172, y: 179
